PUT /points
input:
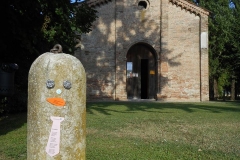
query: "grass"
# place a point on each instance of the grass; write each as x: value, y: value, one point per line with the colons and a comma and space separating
x: 145, y: 131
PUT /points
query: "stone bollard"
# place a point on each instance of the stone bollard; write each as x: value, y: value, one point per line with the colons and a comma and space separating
x: 56, y: 124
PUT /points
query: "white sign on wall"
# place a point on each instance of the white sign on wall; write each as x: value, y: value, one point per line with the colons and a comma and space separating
x: 204, y: 40
x: 129, y: 66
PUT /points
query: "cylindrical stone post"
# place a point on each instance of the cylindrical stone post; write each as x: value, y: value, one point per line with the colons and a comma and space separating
x: 56, y: 124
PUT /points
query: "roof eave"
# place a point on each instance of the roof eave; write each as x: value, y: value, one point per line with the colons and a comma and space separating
x: 191, y: 7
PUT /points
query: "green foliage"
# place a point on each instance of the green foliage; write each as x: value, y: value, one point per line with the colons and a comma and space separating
x: 30, y: 28
x: 63, y: 22
x: 224, y: 34
x: 220, y: 23
x: 224, y: 81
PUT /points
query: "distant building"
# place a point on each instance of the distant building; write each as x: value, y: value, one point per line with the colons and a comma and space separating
x: 147, y: 49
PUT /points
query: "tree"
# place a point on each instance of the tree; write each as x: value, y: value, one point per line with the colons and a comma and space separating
x: 30, y: 28
x: 235, y: 48
x: 223, y: 43
x: 231, y: 55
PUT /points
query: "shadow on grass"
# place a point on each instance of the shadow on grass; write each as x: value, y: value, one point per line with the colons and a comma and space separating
x: 212, y: 106
x: 12, y: 122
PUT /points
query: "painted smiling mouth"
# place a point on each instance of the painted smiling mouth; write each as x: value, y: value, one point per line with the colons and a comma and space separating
x: 56, y: 101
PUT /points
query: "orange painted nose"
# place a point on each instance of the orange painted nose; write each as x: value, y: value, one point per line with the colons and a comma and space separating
x: 56, y: 101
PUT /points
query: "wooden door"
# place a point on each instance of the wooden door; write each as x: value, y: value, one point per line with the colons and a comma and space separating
x: 140, y: 73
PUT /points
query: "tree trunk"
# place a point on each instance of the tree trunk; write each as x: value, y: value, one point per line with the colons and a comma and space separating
x: 215, y: 85
x: 211, y: 89
x: 233, y: 89
x: 224, y: 94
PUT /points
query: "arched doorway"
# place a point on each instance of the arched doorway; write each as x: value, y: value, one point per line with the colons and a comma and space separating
x: 141, y: 72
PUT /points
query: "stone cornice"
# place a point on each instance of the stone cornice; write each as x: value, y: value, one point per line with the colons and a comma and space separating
x: 190, y: 6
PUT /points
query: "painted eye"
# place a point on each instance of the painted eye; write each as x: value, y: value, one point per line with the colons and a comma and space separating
x: 67, y: 84
x: 50, y: 84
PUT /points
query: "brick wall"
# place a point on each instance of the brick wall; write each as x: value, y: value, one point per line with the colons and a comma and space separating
x: 180, y: 65
x: 135, y: 25
x: 98, y: 56
x: 173, y: 33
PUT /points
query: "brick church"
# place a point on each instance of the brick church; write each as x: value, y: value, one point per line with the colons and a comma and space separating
x: 147, y: 49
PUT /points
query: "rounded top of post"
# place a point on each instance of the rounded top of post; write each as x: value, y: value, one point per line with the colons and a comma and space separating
x: 57, y: 48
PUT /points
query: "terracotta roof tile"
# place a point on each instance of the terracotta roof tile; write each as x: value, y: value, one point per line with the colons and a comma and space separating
x: 190, y: 6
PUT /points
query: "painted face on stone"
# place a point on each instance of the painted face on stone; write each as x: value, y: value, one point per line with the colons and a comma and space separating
x: 58, y: 101
x: 60, y: 79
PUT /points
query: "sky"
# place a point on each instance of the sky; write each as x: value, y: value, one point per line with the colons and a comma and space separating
x: 231, y: 4
x: 72, y: 1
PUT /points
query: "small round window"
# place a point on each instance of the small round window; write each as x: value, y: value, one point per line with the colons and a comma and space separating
x: 143, y: 4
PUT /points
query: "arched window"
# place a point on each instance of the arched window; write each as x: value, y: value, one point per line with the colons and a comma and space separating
x: 143, y: 4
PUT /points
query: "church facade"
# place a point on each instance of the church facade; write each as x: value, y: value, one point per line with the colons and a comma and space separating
x: 147, y: 49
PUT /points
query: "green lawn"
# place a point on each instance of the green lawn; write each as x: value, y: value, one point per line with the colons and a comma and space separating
x: 145, y: 131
